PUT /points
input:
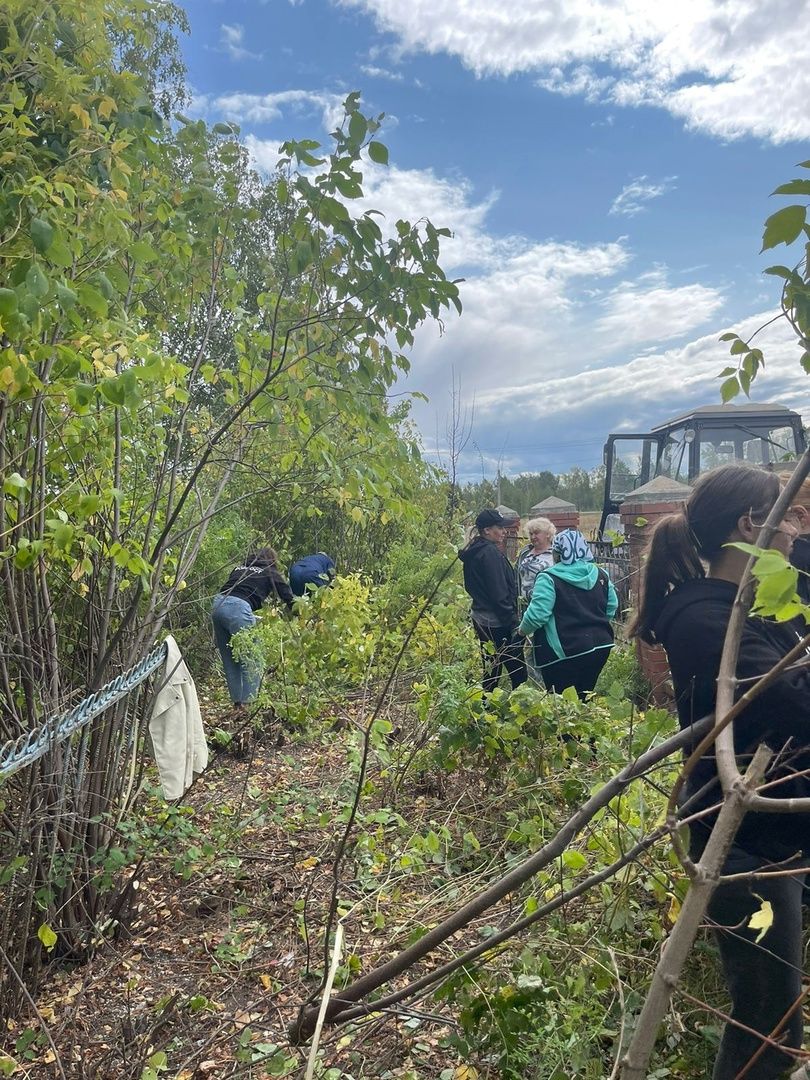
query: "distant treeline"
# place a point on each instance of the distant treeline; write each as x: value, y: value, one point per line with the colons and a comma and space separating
x: 582, y: 488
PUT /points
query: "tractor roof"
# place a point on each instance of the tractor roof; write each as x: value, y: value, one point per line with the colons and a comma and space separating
x: 749, y: 411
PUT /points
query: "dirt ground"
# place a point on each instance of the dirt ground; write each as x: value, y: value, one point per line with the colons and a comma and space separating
x: 222, y: 949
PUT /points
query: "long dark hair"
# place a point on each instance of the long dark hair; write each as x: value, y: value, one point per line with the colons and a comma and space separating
x: 681, y: 543
x: 264, y: 555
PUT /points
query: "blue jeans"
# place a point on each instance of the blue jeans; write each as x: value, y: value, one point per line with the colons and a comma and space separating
x: 229, y: 615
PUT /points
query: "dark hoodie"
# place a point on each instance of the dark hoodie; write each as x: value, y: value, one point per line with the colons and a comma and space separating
x: 255, y: 581
x: 692, y: 628
x: 490, y: 581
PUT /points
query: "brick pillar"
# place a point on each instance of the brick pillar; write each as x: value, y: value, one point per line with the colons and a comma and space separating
x: 640, y: 511
x: 563, y: 519
x: 510, y: 543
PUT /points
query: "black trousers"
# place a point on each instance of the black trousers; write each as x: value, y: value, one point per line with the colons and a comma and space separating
x: 508, y: 654
x: 581, y: 672
x: 765, y: 978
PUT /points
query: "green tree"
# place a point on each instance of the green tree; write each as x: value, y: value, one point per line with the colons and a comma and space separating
x: 171, y: 326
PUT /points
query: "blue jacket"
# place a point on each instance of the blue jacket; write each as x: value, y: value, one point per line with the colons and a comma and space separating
x: 315, y: 569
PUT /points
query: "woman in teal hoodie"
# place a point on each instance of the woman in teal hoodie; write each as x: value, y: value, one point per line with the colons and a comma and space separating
x: 569, y: 613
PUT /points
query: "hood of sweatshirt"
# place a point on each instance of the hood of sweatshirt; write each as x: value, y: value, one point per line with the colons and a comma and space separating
x: 475, y: 549
x: 580, y: 574
x: 696, y: 591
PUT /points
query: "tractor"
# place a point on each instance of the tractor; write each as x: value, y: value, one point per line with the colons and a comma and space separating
x: 687, y: 445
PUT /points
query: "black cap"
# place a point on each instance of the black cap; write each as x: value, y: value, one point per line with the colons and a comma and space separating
x: 490, y: 517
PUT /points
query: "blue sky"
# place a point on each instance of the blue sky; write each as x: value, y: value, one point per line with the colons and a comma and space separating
x: 604, y: 165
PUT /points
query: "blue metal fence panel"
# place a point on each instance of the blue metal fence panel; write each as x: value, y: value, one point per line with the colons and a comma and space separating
x: 32, y: 745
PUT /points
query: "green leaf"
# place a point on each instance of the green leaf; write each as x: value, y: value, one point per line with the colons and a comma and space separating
x: 142, y: 252
x: 784, y: 226
x: 81, y: 394
x: 573, y: 860
x: 357, y: 127
x: 7, y: 1066
x: 378, y: 152
x: 66, y: 297
x: 41, y: 234
x: 14, y: 484
x: 729, y: 389
x: 46, y: 936
x: 738, y: 347
x: 91, y: 298
x: 59, y: 253
x: 114, y: 391
x: 8, y: 301
x: 225, y: 129
x: 36, y: 281
x: 105, y: 286
x: 729, y: 336
x: 778, y: 271
x: 794, y: 187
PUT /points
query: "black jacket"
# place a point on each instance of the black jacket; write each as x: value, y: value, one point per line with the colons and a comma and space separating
x: 490, y: 580
x: 255, y: 581
x: 691, y: 628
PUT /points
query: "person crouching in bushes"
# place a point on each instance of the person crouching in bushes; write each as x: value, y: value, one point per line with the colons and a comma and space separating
x: 688, y: 588
x: 489, y: 578
x: 317, y: 570
x: 569, y: 614
x: 233, y: 610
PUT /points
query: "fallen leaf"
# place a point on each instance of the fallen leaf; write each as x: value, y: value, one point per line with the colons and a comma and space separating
x: 761, y: 920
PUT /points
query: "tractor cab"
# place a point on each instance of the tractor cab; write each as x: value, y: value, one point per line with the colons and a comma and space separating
x: 690, y: 444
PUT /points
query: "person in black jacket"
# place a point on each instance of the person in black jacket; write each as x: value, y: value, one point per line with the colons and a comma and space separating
x: 490, y: 580
x: 234, y: 605
x: 687, y: 610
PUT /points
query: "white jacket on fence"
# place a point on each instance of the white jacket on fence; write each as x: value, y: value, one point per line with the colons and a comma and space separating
x: 176, y: 727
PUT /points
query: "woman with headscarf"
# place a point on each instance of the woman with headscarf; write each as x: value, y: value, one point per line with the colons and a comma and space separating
x: 569, y: 614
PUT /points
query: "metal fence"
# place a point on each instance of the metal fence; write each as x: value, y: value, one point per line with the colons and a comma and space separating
x: 616, y: 561
x: 64, y: 789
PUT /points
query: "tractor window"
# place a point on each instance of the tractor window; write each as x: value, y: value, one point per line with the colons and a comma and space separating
x: 630, y: 466
x: 756, y: 444
x: 674, y: 461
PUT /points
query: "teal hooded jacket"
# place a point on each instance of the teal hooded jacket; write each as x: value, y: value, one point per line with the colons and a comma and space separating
x: 539, y: 614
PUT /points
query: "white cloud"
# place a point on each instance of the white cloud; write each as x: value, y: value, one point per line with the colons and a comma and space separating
x: 264, y: 152
x: 727, y: 67
x: 663, y: 382
x: 649, y: 310
x: 267, y: 108
x: 633, y: 197
x: 231, y: 39
x: 555, y: 423
x: 375, y: 72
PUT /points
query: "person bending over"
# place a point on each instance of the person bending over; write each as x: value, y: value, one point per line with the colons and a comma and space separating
x: 248, y: 586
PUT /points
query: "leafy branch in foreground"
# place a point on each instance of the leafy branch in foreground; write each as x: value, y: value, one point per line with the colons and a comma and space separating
x: 785, y: 226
